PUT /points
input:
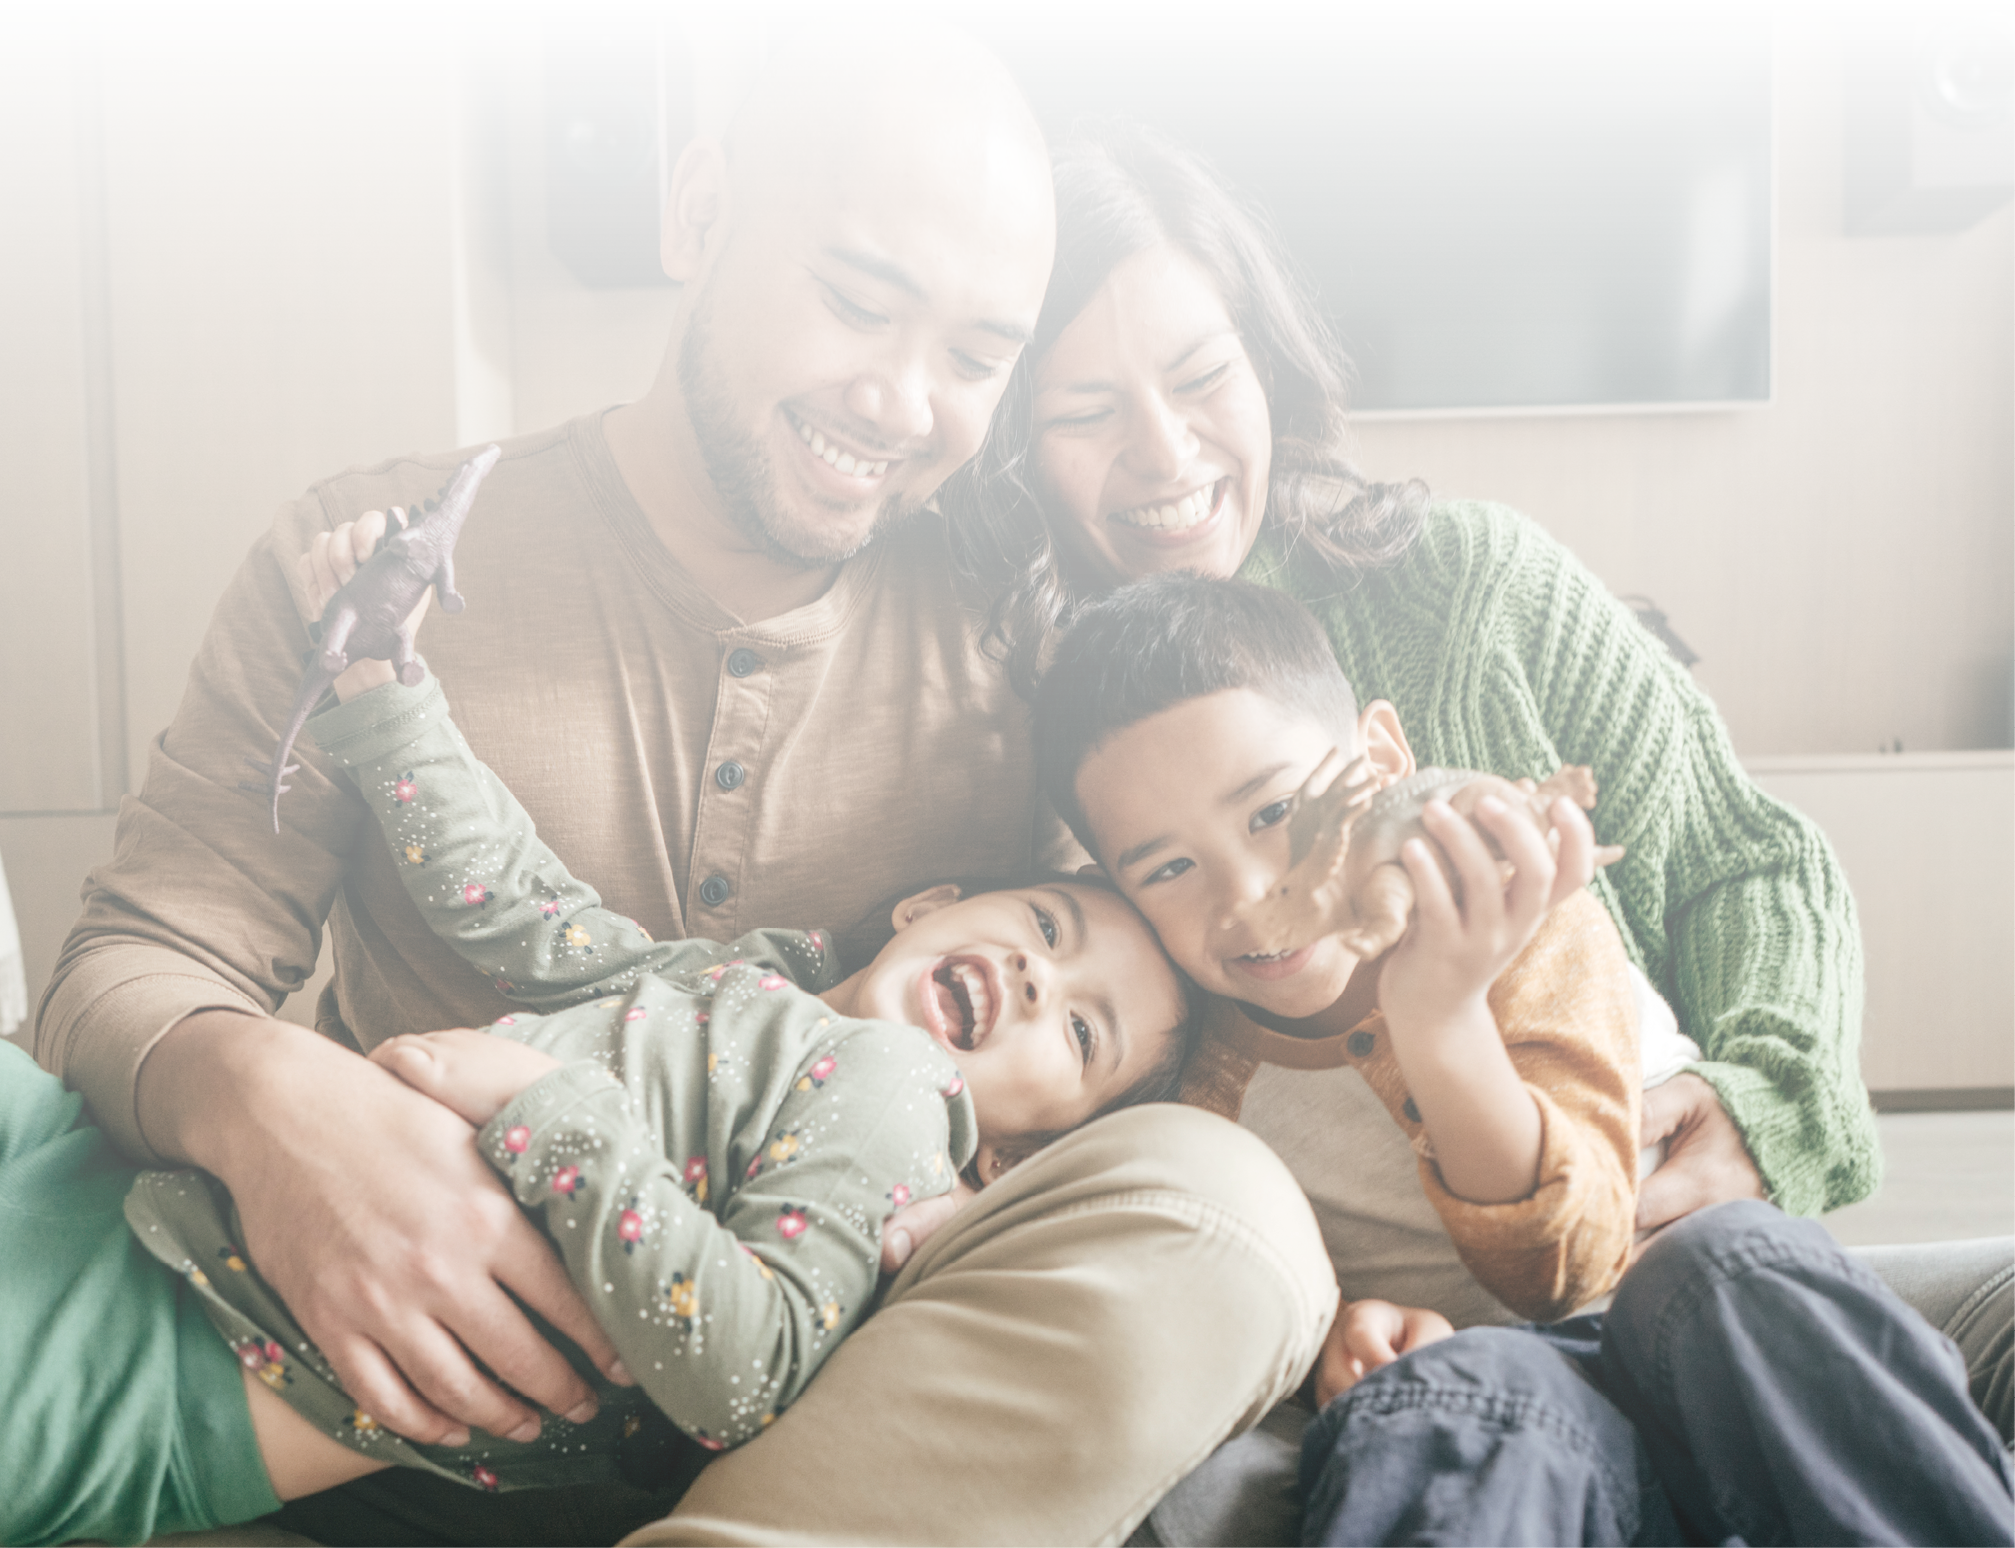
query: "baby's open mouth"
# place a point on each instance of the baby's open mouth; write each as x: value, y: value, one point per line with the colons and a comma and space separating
x: 963, y: 993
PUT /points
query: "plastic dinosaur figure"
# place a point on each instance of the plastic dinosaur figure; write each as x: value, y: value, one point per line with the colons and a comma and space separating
x: 1344, y: 875
x: 366, y: 619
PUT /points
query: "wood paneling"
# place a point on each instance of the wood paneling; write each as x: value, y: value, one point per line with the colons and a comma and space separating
x: 1928, y: 843
x: 280, y: 247
x: 50, y: 749
x: 1844, y: 559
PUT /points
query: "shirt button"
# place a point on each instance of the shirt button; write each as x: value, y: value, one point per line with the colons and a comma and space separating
x: 743, y: 661
x: 1360, y: 1045
x: 729, y: 776
x: 714, y: 891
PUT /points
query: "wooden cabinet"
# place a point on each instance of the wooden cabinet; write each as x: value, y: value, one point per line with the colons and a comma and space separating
x: 1928, y: 842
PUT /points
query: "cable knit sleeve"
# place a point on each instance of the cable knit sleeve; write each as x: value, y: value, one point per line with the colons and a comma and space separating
x: 1502, y: 652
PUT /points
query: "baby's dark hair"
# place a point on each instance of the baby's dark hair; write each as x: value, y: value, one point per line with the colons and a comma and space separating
x: 860, y: 943
x: 1162, y: 641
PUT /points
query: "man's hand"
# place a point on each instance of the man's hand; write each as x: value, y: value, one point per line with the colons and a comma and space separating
x: 1705, y: 1159
x: 914, y: 1224
x: 1368, y: 1334
x: 367, y: 1206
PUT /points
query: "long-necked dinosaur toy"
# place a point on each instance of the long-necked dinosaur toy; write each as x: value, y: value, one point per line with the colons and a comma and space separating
x: 366, y: 619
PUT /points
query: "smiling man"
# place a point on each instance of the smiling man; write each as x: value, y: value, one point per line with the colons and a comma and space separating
x: 714, y: 647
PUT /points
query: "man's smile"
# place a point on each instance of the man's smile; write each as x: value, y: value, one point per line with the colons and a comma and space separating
x: 849, y: 459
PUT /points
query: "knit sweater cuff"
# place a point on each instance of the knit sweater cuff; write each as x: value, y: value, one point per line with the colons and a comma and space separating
x: 1775, y: 1128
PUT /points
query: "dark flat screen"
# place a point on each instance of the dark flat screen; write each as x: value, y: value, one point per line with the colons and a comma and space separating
x: 1503, y: 207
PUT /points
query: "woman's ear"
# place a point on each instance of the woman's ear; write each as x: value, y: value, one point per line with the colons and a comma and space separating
x: 1382, y: 741
x: 929, y: 901
x: 695, y: 206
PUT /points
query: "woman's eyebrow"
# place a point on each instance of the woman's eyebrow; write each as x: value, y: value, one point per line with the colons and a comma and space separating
x: 1174, y: 365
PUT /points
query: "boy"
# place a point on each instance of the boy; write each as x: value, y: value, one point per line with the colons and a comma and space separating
x: 1177, y: 721
x: 711, y: 1134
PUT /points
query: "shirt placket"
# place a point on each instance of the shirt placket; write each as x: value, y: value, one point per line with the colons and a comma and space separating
x: 729, y: 785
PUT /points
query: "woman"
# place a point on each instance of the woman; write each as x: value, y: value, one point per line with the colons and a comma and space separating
x: 1181, y: 406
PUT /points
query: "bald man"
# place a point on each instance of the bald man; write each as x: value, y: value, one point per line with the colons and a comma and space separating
x: 715, y: 648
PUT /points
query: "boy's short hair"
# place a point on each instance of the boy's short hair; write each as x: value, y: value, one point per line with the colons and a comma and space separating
x: 1163, y: 641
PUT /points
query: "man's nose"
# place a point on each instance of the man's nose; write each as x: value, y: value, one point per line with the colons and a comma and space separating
x: 1163, y: 444
x: 895, y: 398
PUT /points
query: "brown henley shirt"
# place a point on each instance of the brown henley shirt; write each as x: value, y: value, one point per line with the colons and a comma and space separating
x: 705, y: 775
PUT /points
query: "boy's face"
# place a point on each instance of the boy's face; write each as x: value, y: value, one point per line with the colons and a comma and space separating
x: 1053, y: 999
x: 1188, y: 811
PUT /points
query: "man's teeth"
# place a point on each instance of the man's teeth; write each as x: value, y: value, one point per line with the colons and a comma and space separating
x: 835, y: 458
x: 1186, y: 512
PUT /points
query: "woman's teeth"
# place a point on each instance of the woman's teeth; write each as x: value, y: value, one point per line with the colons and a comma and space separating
x: 835, y: 458
x: 1186, y: 512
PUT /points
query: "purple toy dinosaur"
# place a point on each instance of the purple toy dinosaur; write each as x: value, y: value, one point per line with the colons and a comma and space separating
x: 366, y: 619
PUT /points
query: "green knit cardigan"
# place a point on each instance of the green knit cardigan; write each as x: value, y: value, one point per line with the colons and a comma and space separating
x: 1501, y: 652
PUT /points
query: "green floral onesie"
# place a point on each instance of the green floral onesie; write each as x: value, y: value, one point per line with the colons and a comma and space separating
x: 713, y: 1158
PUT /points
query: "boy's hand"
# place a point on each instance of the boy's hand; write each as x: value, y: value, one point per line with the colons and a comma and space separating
x: 1454, y: 951
x: 332, y: 558
x: 1367, y: 1335
x: 471, y: 1073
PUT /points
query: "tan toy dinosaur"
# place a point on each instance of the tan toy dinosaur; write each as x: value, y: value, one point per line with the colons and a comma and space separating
x: 1343, y: 837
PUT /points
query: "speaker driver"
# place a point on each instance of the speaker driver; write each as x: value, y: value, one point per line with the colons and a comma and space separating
x: 1965, y: 71
x: 603, y: 138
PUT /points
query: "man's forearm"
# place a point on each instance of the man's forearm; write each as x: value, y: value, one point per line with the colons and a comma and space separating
x: 211, y: 1072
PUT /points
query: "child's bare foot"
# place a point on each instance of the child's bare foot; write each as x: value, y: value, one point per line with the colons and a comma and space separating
x: 470, y: 1073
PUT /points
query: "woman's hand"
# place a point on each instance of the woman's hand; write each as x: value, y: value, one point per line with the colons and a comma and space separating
x: 1705, y: 1162
x: 1367, y: 1335
x: 332, y: 558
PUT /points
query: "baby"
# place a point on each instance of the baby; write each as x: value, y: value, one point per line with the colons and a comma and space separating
x: 711, y: 1134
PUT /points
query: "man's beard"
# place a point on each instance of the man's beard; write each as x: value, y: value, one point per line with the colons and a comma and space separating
x: 742, y: 472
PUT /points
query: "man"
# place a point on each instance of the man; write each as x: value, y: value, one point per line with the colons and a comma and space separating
x: 710, y: 641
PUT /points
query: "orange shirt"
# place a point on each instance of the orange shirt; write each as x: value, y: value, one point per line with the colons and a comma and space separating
x: 706, y: 776
x: 1566, y: 1011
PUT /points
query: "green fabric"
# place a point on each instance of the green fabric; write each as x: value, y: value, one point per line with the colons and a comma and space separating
x: 713, y: 1158
x: 124, y: 1415
x: 1501, y: 652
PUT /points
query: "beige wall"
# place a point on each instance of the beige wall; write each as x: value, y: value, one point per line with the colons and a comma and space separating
x: 344, y: 258
x: 1844, y: 559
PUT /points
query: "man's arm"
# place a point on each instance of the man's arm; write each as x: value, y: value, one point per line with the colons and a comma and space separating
x: 160, y: 1013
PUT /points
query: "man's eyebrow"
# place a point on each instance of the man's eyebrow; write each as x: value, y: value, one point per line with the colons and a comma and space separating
x: 1081, y: 934
x: 1174, y: 365
x: 889, y: 272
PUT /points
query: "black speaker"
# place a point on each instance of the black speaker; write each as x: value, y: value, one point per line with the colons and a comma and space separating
x: 1930, y: 131
x: 619, y: 103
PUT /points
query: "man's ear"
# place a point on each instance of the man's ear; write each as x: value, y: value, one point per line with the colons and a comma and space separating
x: 695, y: 209
x: 929, y: 901
x: 1382, y: 741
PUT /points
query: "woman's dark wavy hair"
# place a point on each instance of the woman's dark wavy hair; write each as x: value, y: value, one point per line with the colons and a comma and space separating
x: 1122, y: 189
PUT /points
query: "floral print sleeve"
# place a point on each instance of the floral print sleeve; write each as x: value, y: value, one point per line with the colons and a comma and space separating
x: 472, y: 861
x: 726, y: 1276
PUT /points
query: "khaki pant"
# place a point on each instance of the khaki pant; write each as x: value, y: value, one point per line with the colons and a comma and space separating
x: 1053, y: 1360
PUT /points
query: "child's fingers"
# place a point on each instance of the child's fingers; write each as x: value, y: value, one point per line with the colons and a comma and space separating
x: 321, y: 573
x: 1574, y: 837
x: 365, y: 533
x: 1530, y: 889
x: 1434, y: 910
x: 1475, y: 866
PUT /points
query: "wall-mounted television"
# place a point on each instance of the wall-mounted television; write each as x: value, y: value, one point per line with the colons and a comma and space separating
x: 1504, y: 207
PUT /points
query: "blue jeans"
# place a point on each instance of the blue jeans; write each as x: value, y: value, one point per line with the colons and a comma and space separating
x: 1750, y: 1383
